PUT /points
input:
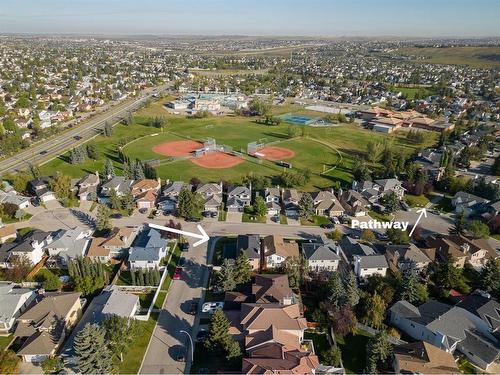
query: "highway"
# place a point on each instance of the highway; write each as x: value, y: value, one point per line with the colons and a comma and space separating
x: 49, y: 149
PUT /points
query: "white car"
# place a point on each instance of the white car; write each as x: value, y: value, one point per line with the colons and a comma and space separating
x: 210, y: 307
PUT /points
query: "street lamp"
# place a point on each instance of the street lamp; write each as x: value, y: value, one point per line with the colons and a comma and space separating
x: 191, y: 341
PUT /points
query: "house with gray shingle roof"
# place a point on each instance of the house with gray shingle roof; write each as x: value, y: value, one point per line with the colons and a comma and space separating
x: 449, y: 328
x: 148, y: 250
x: 322, y: 257
x: 238, y: 198
x: 69, y: 244
x: 13, y: 302
x: 369, y: 265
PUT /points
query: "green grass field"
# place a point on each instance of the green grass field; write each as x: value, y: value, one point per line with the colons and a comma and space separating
x: 410, y: 92
x: 347, y: 140
x: 480, y: 57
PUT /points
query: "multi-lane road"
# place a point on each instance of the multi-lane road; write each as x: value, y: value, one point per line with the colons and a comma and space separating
x: 48, y: 149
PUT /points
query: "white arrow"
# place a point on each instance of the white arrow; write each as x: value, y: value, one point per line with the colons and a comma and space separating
x: 423, y: 212
x: 204, y: 237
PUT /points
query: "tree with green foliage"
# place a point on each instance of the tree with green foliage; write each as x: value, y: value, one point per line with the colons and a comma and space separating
x: 398, y: 236
x: 108, y: 130
x: 189, y: 204
x: 447, y: 275
x: 490, y: 277
x: 243, y: 269
x: 306, y: 206
x: 297, y: 269
x: 408, y: 287
x: 459, y: 225
x: 478, y: 229
x: 218, y: 335
x: 373, y: 312
x: 88, y: 276
x: 50, y: 282
x: 337, y: 293
x: 378, y: 350
x: 91, y: 350
x: 233, y: 351
x: 121, y: 333
x: 351, y: 289
x: 368, y: 235
x: 225, y: 279
x: 52, y: 365
x: 332, y: 356
x: 103, y: 218
x: 390, y: 202
x: 335, y: 235
x: 61, y: 185
x: 259, y: 206
x: 260, y: 107
x: 9, y: 362
x: 93, y: 151
x: 109, y: 169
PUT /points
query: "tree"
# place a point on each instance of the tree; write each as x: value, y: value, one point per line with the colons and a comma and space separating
x: 390, y: 202
x: 260, y: 107
x: 50, y: 281
x: 259, y: 206
x: 61, y: 185
x: 9, y: 362
x: 368, y: 235
x: 335, y: 235
x: 336, y: 296
x: 189, y: 204
x: 108, y: 130
x: 447, y: 275
x: 120, y: 333
x: 233, y: 350
x: 116, y: 203
x: 459, y: 225
x: 91, y: 351
x: 332, y: 356
x: 92, y: 152
x: 306, y: 206
x: 225, y: 278
x: 103, y: 218
x: 351, y: 289
x: 408, y: 288
x: 243, y: 269
x: 343, y: 320
x: 19, y: 269
x: 374, y: 308
x: 52, y: 365
x: 398, y: 236
x: 297, y: 269
x: 218, y: 332
x: 478, y: 229
x: 109, y: 169
x: 378, y: 350
x: 490, y: 277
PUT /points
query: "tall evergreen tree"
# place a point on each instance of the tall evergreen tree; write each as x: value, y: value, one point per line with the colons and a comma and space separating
x: 103, y: 218
x: 92, y: 353
x: 459, y: 225
x: 306, y: 206
x: 351, y: 289
x: 408, y: 289
x: 225, y: 279
x: 218, y: 332
x: 243, y: 269
x: 490, y: 277
x: 109, y: 169
x: 337, y: 294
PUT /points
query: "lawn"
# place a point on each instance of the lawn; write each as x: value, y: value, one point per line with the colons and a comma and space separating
x: 4, y: 341
x: 410, y: 92
x: 320, y: 342
x: 353, y: 349
x: 444, y: 205
x: 416, y: 200
x: 480, y: 57
x: 466, y: 367
x: 316, y: 220
x: 145, y: 299
x: 132, y: 358
x: 380, y: 217
x: 249, y: 218
x: 219, y: 248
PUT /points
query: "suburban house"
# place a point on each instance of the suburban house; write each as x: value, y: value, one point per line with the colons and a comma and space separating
x: 145, y: 192
x: 13, y: 302
x: 321, y: 257
x: 32, y: 246
x: 7, y: 232
x: 369, y: 265
x: 267, y: 288
x: 449, y: 328
x: 291, y: 198
x: 272, y: 196
x: 14, y: 199
x: 467, y: 203
x: 69, y: 244
x: 250, y: 245
x: 212, y: 195
x: 238, y: 198
x: 111, y: 302
x: 148, y: 250
x: 97, y: 252
x: 423, y: 358
x: 170, y: 195
x: 484, y: 307
x: 354, y: 203
x: 374, y: 190
x: 119, y: 184
x: 274, y: 251
x: 404, y: 257
x: 87, y: 187
x: 46, y: 323
x: 41, y: 190
x: 349, y: 247
x: 463, y: 249
x: 326, y: 204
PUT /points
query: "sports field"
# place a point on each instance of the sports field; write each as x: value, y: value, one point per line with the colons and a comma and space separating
x: 338, y: 147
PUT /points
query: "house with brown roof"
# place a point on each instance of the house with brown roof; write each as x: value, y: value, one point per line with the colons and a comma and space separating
x: 7, y: 232
x: 145, y: 192
x: 46, y: 323
x: 274, y: 251
x: 325, y: 203
x: 115, y: 245
x: 87, y: 187
x: 423, y: 358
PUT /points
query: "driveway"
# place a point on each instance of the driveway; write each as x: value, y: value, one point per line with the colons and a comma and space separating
x: 167, y: 340
x: 234, y: 217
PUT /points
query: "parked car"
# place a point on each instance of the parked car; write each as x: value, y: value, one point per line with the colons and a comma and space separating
x: 327, y: 226
x: 336, y: 220
x: 210, y: 307
x: 206, y: 213
x: 143, y: 210
x: 193, y: 219
x: 193, y: 308
x: 181, y: 261
x: 213, y: 214
x: 177, y: 273
x: 184, y: 246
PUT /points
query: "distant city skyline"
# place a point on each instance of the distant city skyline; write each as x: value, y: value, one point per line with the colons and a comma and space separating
x: 424, y: 18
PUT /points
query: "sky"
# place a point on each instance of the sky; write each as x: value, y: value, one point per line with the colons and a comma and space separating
x: 420, y: 18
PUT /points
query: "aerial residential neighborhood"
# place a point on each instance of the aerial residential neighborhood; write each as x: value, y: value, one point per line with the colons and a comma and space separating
x: 279, y: 188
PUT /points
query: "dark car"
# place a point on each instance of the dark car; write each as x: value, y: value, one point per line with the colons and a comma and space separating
x: 181, y: 261
x: 77, y: 137
x: 193, y: 308
x: 184, y: 246
x: 213, y: 214
x: 116, y: 216
x: 193, y: 219
x: 202, y: 335
x: 206, y: 213
x: 143, y: 210
x: 43, y: 152
x: 180, y: 357
x: 327, y: 226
